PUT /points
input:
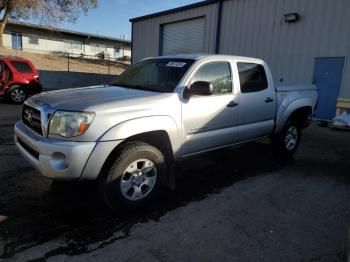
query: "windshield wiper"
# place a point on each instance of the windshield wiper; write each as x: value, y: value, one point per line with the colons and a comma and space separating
x: 131, y: 87
x: 121, y: 85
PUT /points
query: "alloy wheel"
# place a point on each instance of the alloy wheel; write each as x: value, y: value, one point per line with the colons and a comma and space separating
x: 138, y: 180
x: 291, y: 138
x: 18, y: 95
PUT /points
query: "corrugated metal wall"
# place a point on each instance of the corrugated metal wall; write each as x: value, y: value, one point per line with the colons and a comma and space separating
x: 146, y: 32
x: 256, y: 28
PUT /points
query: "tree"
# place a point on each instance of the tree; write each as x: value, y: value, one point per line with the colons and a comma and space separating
x: 45, y: 11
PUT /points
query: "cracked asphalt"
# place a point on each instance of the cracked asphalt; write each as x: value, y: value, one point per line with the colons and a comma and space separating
x: 242, y: 204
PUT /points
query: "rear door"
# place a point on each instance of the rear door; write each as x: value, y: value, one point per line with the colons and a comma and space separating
x: 257, y: 106
x: 210, y: 121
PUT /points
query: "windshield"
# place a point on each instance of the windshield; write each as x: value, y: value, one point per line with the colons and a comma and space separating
x: 158, y: 75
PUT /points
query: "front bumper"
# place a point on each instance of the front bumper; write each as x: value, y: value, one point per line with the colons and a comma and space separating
x: 62, y: 160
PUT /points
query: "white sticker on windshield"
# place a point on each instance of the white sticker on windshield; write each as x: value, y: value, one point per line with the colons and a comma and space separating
x: 176, y: 64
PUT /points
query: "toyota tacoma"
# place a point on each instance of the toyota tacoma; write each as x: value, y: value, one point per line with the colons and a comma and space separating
x: 128, y: 135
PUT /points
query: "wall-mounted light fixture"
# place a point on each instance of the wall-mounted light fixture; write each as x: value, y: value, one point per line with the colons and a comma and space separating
x: 291, y: 18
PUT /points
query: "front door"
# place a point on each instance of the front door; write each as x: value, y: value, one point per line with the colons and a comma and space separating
x: 16, y: 41
x: 210, y: 121
x: 327, y: 77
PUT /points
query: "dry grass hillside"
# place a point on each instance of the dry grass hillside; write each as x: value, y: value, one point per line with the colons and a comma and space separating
x: 60, y: 63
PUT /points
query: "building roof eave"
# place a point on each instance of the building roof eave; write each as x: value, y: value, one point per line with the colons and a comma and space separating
x: 66, y: 31
x: 174, y: 10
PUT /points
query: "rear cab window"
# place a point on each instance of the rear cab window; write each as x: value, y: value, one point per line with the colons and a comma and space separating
x: 21, y: 67
x: 252, y: 77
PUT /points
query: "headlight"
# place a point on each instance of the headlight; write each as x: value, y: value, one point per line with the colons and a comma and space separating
x: 69, y: 124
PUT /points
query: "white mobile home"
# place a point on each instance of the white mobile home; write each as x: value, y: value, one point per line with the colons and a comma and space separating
x: 37, y: 38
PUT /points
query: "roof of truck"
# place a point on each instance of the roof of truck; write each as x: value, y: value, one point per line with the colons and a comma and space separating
x: 203, y: 56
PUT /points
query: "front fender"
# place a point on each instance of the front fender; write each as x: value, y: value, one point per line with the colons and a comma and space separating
x: 285, y: 111
x: 141, y: 125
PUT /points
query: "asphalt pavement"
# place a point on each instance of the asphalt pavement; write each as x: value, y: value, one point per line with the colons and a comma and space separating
x: 244, y: 204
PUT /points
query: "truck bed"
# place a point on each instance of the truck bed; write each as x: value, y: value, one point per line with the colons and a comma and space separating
x: 290, y: 98
x: 295, y: 88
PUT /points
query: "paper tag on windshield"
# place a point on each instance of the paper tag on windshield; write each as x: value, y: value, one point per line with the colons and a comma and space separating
x: 176, y: 64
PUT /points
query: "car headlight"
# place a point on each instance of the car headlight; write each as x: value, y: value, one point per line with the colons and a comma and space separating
x: 69, y: 124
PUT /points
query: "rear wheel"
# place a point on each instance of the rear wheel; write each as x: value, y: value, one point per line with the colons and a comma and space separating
x: 17, y: 94
x: 287, y: 141
x: 136, y: 176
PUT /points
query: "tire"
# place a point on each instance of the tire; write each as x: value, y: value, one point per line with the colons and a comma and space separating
x: 287, y: 141
x: 17, y: 94
x: 135, y: 178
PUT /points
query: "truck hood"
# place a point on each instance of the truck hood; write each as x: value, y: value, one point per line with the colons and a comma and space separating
x: 91, y: 98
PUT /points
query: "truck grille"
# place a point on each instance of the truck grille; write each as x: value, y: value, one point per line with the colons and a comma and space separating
x: 31, y: 117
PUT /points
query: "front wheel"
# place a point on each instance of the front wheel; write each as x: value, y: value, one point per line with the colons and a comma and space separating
x: 287, y: 141
x: 136, y: 176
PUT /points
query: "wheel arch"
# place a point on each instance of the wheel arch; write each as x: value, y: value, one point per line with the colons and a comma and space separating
x: 144, y: 126
x: 300, y: 110
x: 13, y: 86
x: 157, y: 138
x: 159, y: 131
x: 301, y: 116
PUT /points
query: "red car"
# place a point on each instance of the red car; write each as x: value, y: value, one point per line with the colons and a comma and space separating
x: 18, y: 79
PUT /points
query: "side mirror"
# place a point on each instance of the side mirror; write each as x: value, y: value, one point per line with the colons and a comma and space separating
x: 201, y: 88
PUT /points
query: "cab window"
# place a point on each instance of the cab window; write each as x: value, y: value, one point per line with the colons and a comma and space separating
x: 218, y: 74
x: 252, y: 77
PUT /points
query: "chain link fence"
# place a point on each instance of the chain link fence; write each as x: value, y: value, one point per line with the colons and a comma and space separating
x: 101, y: 63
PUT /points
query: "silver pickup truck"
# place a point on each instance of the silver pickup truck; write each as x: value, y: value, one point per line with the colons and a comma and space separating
x: 128, y: 135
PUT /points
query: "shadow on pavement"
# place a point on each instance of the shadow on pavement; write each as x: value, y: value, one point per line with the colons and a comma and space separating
x: 72, y: 211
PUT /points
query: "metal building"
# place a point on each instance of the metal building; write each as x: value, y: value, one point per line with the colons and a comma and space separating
x: 304, y: 41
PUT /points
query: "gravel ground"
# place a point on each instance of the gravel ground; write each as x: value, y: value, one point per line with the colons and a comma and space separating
x: 243, y: 204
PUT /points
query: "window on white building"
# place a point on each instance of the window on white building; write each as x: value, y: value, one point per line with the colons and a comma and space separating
x: 117, y: 52
x: 98, y: 48
x: 72, y: 45
x: 33, y: 40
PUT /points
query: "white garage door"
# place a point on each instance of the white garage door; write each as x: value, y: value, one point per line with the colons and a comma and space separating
x: 183, y: 37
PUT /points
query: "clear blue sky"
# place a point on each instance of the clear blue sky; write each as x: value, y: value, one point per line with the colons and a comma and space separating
x: 111, y: 17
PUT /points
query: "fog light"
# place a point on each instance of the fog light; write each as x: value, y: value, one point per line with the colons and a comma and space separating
x: 58, y: 161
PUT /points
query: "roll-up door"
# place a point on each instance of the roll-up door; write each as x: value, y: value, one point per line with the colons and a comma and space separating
x: 183, y: 37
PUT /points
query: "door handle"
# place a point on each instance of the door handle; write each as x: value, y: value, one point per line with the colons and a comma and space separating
x: 232, y: 104
x: 269, y: 100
